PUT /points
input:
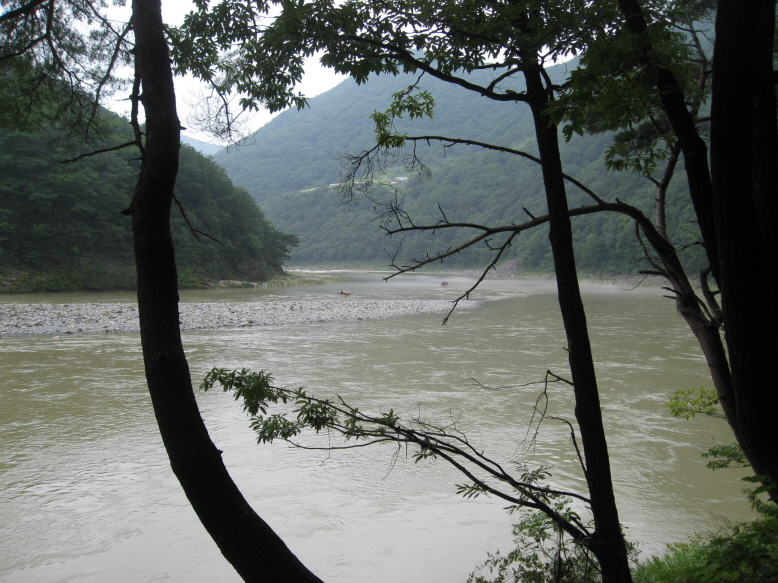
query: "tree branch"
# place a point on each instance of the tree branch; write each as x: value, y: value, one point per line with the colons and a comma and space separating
x: 448, y: 443
x: 505, y: 149
x: 407, y: 57
x: 101, y: 151
x: 23, y: 10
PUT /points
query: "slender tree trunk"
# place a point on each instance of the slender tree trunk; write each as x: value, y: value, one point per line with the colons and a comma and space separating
x: 744, y: 158
x: 247, y: 542
x: 695, y: 152
x: 607, y: 542
x: 660, y: 206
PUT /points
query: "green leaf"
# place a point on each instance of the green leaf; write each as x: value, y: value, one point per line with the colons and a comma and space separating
x: 754, y: 479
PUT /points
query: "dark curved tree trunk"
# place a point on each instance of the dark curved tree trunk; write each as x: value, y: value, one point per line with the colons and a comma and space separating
x: 247, y: 542
x: 607, y: 542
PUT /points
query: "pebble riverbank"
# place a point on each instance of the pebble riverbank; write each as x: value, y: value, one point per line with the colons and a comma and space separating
x: 91, y: 318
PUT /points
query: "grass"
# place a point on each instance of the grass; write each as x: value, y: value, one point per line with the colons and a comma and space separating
x: 744, y: 553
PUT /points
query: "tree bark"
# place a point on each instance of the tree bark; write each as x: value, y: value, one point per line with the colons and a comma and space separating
x: 735, y: 203
x: 607, y: 542
x: 744, y: 158
x: 245, y: 540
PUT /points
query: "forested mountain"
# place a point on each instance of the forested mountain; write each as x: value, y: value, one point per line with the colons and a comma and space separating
x: 203, y: 147
x: 288, y: 164
x: 61, y: 227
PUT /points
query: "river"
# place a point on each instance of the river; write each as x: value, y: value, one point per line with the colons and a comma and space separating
x: 87, y: 495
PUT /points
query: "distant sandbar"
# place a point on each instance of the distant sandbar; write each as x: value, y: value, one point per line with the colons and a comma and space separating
x: 89, y: 318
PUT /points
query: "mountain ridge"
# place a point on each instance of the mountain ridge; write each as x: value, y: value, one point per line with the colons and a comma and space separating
x: 294, y: 158
x: 61, y: 228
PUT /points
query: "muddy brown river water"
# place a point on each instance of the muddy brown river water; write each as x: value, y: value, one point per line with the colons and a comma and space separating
x: 86, y: 492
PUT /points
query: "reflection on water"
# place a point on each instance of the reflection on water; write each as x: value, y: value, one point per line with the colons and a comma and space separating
x: 86, y: 493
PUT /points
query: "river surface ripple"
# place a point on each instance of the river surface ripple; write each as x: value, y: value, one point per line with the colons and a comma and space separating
x: 86, y: 492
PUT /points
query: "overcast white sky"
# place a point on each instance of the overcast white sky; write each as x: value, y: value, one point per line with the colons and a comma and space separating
x: 317, y: 79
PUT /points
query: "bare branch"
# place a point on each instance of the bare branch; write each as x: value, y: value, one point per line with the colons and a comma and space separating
x: 219, y: 121
x: 440, y: 440
x: 509, y: 72
x: 195, y: 232
x: 101, y: 151
x: 491, y: 265
x: 486, y: 145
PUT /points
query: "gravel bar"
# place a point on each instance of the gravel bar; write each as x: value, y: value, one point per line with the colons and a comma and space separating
x: 91, y: 318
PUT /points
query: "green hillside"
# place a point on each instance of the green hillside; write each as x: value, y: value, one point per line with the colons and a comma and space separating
x: 61, y: 227
x: 289, y: 163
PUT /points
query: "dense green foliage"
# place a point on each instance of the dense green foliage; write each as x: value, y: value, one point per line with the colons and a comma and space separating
x: 289, y: 163
x: 61, y: 227
x: 542, y: 555
x: 743, y: 553
x: 688, y: 403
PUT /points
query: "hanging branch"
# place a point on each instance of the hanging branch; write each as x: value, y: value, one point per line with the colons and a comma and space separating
x: 257, y: 393
x: 228, y: 129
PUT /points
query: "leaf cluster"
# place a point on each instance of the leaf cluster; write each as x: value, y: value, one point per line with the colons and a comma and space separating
x: 615, y: 85
x: 688, y: 403
x: 257, y: 393
x: 411, y: 102
x: 614, y: 89
x: 257, y: 51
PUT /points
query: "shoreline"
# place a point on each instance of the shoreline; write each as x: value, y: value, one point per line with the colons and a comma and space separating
x: 503, y: 271
x: 96, y: 318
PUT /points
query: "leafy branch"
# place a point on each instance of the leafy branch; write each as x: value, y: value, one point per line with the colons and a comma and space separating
x: 359, y: 429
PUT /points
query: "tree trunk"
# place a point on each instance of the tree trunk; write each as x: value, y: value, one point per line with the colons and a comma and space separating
x: 744, y: 157
x: 735, y: 204
x: 247, y: 542
x: 607, y: 542
x: 660, y: 202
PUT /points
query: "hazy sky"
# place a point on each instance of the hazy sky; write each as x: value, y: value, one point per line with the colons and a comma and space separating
x: 316, y: 80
